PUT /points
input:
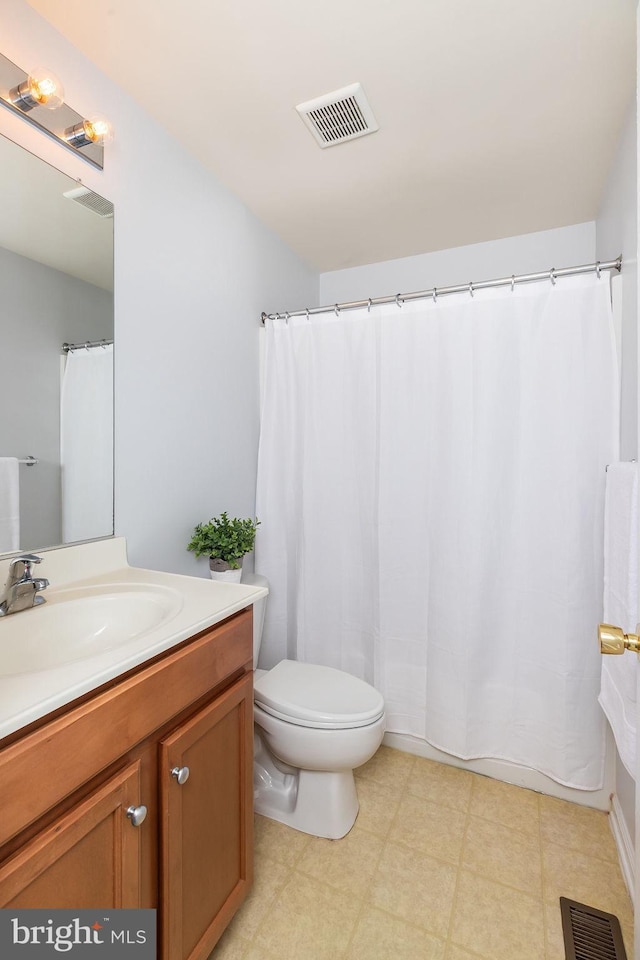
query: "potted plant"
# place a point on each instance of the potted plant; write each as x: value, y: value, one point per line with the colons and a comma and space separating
x: 225, y: 541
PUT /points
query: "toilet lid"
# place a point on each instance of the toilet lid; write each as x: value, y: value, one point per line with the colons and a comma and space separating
x: 310, y: 695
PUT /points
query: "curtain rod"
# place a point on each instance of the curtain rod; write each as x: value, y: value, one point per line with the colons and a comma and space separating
x: 436, y: 292
x: 86, y: 345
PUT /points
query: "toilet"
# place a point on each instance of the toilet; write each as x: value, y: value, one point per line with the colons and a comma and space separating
x: 313, y: 726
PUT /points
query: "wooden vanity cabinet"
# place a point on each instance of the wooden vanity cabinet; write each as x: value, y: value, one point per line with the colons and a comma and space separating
x: 174, y: 737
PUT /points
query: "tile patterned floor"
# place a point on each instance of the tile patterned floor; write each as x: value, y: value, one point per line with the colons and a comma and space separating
x: 441, y: 864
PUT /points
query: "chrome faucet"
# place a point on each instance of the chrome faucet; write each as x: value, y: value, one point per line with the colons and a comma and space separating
x: 21, y: 589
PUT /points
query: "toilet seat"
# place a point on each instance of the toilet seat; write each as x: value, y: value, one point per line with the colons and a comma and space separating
x: 311, y: 695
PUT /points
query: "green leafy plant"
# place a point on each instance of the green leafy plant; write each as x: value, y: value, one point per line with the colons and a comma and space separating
x: 224, y: 539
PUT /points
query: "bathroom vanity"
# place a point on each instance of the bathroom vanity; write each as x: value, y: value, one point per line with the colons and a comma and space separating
x: 138, y: 792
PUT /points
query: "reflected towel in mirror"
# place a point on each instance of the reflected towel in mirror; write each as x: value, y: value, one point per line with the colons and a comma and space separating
x: 9, y: 504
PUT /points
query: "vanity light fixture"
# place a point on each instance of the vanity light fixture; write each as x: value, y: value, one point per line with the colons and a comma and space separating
x: 41, y: 89
x: 38, y: 98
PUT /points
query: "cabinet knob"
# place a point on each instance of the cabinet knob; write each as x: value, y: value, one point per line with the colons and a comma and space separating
x: 137, y: 815
x: 181, y: 774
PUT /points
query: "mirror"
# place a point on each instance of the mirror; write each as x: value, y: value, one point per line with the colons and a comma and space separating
x: 56, y: 283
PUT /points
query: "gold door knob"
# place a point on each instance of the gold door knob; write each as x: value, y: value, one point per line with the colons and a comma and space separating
x: 613, y: 640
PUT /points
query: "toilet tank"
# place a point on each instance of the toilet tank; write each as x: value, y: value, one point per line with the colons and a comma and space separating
x: 255, y: 580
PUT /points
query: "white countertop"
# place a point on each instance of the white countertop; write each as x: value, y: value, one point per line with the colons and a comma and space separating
x: 26, y: 697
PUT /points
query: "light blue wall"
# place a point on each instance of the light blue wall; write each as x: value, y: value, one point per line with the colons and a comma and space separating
x: 529, y: 253
x: 617, y: 232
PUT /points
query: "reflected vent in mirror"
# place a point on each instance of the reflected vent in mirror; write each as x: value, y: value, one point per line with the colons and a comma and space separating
x: 92, y: 201
x: 339, y: 116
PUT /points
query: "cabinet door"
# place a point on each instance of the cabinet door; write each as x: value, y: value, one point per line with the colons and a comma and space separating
x: 207, y: 822
x: 89, y: 857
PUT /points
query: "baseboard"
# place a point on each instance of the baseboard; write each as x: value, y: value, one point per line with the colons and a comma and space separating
x: 626, y: 853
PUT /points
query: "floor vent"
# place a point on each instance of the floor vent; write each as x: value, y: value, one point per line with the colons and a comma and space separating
x: 590, y: 934
x: 92, y: 201
x: 339, y: 116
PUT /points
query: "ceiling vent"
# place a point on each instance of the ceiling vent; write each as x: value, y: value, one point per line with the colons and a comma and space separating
x: 92, y: 201
x: 339, y: 116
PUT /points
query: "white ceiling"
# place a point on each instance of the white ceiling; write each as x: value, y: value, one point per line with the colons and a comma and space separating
x: 496, y: 118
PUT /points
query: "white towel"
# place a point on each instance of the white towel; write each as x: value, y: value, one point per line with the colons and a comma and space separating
x: 618, y: 684
x: 9, y: 505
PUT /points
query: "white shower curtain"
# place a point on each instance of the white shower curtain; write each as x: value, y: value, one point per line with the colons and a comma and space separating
x: 430, y: 490
x: 86, y: 444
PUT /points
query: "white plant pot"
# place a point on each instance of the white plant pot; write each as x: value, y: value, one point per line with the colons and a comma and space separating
x: 230, y: 576
x: 220, y: 570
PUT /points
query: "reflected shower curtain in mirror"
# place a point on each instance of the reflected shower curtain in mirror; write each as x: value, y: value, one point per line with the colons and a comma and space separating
x: 430, y: 490
x: 86, y: 441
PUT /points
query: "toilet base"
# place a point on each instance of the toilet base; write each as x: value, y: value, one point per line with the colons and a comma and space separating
x: 321, y: 803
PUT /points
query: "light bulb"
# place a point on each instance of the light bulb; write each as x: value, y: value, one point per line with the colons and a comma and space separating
x: 41, y: 89
x: 99, y: 130
x: 96, y: 130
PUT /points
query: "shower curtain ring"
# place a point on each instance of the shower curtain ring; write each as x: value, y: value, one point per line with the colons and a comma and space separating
x: 286, y: 317
x: 307, y: 309
x: 398, y: 300
x: 471, y: 288
x: 513, y: 282
x: 435, y: 295
x: 552, y: 275
x: 598, y: 269
x: 369, y: 306
x: 337, y: 310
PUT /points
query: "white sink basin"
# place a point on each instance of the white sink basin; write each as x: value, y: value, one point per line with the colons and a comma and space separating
x: 81, y: 623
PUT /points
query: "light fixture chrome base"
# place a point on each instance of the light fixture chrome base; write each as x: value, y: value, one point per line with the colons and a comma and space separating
x: 22, y: 97
x: 76, y: 136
